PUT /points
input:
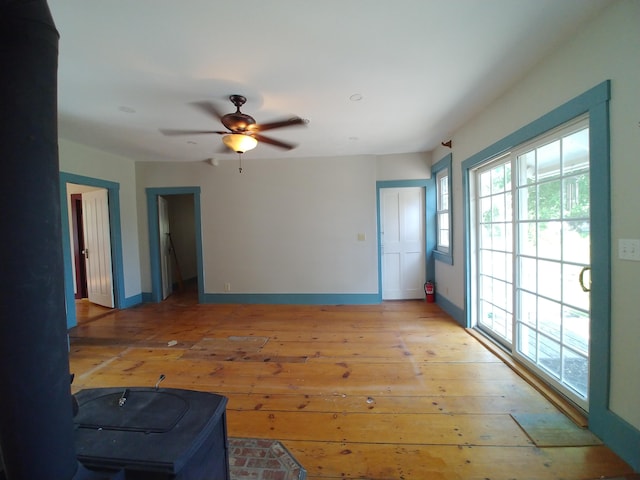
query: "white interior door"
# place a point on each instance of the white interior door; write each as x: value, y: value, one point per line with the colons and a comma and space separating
x: 403, y: 247
x: 97, y: 241
x: 165, y: 247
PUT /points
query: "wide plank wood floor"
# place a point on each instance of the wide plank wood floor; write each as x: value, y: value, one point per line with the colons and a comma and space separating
x: 390, y: 391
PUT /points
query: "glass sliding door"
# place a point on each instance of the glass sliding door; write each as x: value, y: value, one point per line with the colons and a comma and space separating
x: 552, y: 259
x: 532, y: 256
x: 495, y: 250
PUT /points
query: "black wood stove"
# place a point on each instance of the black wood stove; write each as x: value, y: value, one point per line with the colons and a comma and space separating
x: 153, y: 433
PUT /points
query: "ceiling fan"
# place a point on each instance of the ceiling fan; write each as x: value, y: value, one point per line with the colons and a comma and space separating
x: 243, y: 132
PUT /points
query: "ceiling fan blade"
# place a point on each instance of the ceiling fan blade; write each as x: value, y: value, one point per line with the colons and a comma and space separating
x: 275, y: 143
x: 209, y: 108
x: 171, y: 132
x: 289, y: 122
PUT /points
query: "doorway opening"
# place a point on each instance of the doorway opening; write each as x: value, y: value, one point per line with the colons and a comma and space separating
x: 90, y: 227
x: 178, y: 259
x: 175, y: 242
x: 77, y: 226
x: 110, y: 192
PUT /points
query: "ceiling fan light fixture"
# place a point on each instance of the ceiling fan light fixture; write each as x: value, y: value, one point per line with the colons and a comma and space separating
x: 239, y: 142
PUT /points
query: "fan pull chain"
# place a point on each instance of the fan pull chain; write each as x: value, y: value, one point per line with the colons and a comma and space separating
x: 240, y: 160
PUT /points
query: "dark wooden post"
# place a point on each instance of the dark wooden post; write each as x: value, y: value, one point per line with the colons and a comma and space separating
x: 36, y: 426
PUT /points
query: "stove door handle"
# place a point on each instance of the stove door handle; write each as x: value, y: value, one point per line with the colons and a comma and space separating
x: 160, y: 379
x: 123, y: 398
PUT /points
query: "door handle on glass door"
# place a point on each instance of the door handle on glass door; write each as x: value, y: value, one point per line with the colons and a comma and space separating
x: 581, y: 279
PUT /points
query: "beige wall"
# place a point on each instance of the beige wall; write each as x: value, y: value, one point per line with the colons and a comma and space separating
x: 282, y: 226
x: 405, y: 166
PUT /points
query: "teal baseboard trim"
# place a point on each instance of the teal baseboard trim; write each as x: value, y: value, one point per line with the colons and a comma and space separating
x: 129, y: 302
x: 620, y: 436
x: 294, y: 298
x: 456, y: 312
x: 147, y: 297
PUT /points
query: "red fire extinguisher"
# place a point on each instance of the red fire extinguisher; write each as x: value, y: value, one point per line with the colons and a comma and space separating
x: 430, y: 292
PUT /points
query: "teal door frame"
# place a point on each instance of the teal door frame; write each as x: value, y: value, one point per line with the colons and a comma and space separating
x: 113, y: 194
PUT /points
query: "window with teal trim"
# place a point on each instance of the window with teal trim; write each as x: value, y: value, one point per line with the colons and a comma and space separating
x: 441, y: 171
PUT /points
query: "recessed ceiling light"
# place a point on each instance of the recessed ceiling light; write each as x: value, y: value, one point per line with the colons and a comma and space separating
x: 126, y: 109
x: 356, y: 97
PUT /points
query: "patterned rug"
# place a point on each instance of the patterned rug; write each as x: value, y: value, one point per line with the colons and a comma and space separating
x: 262, y: 459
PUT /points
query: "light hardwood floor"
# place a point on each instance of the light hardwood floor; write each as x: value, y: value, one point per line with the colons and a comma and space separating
x: 390, y: 391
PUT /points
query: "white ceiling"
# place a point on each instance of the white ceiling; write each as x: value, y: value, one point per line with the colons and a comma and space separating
x: 128, y: 68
